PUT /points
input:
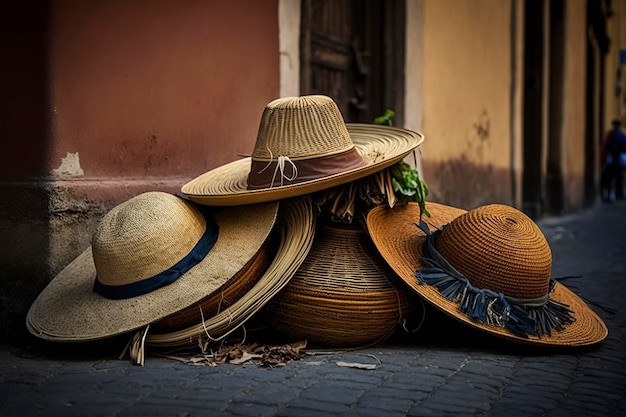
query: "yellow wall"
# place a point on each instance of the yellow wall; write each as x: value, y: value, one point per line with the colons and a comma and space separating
x: 467, y: 83
x: 574, y: 103
x: 615, y: 106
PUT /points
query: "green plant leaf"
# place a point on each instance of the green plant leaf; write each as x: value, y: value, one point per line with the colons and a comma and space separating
x: 385, y: 119
x: 408, y: 185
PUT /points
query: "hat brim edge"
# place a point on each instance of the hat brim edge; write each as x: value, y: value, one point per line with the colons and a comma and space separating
x: 587, y: 330
x: 81, y: 271
x: 238, y: 172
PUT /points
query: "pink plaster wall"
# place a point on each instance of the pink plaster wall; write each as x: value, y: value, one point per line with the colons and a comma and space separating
x: 142, y: 94
x: 159, y: 88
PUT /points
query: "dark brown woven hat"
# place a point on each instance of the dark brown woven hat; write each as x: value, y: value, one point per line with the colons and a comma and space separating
x: 343, y: 294
x: 489, y: 268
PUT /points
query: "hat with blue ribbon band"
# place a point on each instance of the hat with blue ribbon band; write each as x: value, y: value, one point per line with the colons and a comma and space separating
x: 151, y: 256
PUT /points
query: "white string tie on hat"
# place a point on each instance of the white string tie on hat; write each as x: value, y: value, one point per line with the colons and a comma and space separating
x: 280, y: 166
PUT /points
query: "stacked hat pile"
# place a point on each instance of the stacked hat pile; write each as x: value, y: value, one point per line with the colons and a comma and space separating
x: 249, y: 235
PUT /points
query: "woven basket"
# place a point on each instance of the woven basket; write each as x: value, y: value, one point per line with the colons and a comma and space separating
x: 221, y: 299
x: 343, y: 295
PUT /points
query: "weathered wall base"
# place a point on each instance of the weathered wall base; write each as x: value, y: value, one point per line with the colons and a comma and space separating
x: 46, y: 224
x: 461, y: 183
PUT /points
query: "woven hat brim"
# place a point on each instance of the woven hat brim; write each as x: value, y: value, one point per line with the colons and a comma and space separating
x: 227, y: 185
x: 297, y: 230
x: 399, y: 241
x: 69, y: 310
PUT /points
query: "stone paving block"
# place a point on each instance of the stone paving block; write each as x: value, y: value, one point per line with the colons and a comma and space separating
x: 167, y: 406
x: 24, y: 411
x: 536, y: 398
x: 268, y: 394
x: 82, y: 410
x: 448, y: 361
x: 406, y: 393
x: 372, y: 412
x: 401, y: 356
x: 454, y: 395
x: 420, y: 380
x: 275, y: 375
x: 226, y: 383
x: 346, y: 395
x: 296, y: 411
x: 595, y: 389
x: 318, y: 405
x: 11, y: 391
x: 249, y: 409
x: 446, y: 407
x: 586, y: 408
x: 515, y: 408
x: 491, y: 368
x: 114, y: 365
x: 364, y: 378
x: 380, y: 402
x: 426, y: 411
x: 122, y: 387
x: 213, y: 395
x: 485, y: 386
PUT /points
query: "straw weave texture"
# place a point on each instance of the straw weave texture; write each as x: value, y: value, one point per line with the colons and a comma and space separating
x: 69, y: 310
x: 399, y: 241
x: 379, y: 147
x: 296, y: 232
x: 343, y: 294
x: 222, y: 298
x: 301, y: 128
x: 143, y: 237
x: 500, y: 248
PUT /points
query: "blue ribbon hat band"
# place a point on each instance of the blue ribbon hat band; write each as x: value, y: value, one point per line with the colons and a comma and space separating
x: 197, y: 254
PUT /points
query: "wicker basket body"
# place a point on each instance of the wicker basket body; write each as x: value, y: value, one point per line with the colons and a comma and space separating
x: 343, y: 295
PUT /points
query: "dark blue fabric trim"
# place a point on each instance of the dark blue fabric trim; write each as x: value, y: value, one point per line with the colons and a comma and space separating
x: 537, y: 317
x: 198, y: 253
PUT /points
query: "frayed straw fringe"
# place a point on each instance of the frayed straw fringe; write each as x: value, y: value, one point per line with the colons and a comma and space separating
x: 489, y: 307
x: 373, y: 190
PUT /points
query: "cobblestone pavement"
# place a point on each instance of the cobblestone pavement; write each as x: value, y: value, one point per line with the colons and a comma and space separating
x: 444, y: 369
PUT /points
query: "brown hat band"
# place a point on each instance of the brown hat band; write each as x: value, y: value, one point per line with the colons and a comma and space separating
x: 274, y: 173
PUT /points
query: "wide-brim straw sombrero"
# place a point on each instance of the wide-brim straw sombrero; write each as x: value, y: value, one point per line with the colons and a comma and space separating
x: 303, y: 146
x: 145, y: 237
x: 400, y: 241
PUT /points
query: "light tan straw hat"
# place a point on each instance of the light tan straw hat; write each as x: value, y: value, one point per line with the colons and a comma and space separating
x: 151, y: 256
x: 489, y: 268
x: 302, y: 146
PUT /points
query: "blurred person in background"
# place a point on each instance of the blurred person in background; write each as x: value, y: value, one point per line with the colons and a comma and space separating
x: 613, y: 159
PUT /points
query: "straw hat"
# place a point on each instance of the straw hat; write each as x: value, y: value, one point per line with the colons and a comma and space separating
x: 343, y: 294
x: 295, y: 234
x: 489, y: 268
x: 151, y: 256
x: 302, y: 146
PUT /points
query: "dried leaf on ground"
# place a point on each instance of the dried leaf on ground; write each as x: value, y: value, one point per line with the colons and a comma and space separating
x: 267, y: 356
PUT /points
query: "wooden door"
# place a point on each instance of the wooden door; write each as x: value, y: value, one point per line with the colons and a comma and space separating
x: 353, y: 51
